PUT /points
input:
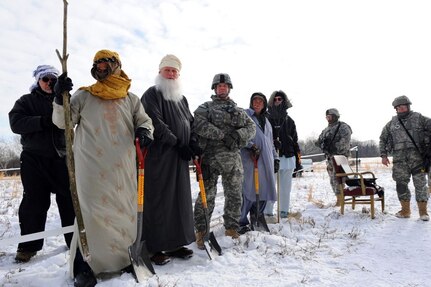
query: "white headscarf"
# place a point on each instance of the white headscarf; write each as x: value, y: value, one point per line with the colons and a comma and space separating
x: 42, y: 71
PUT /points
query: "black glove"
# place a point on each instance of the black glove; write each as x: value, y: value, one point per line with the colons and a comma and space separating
x: 231, y: 140
x: 255, y: 151
x: 52, y: 84
x: 63, y: 84
x: 277, y: 144
x: 46, y: 122
x: 185, y: 152
x: 276, y: 165
x: 196, y: 150
x: 145, y: 137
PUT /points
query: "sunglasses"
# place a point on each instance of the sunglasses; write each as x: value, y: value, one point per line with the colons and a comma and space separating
x: 105, y: 60
x: 47, y: 79
x: 278, y: 99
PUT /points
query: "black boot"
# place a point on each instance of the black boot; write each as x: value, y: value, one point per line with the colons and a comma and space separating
x: 84, y: 276
x: 85, y: 279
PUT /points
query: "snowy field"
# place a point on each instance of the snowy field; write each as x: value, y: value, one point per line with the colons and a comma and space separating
x: 322, y: 248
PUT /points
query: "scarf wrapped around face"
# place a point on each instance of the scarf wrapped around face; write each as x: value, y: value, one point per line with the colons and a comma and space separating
x: 113, y: 87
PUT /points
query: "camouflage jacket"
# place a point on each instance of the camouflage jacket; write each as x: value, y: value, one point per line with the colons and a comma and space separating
x: 214, y: 119
x: 335, y: 139
x: 394, y: 138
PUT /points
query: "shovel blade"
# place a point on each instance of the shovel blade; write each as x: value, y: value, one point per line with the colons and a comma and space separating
x: 141, y: 262
x: 141, y: 272
x: 214, y: 244
x: 259, y: 224
x: 207, y: 250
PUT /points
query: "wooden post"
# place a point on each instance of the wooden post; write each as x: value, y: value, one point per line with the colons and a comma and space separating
x: 69, y: 142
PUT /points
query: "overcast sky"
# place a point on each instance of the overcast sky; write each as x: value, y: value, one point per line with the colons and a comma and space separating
x: 356, y: 56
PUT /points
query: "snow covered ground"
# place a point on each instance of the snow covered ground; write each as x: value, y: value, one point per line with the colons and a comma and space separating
x: 323, y: 248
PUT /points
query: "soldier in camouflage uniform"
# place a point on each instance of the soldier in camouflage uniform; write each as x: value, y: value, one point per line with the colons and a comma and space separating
x: 334, y: 140
x: 223, y: 129
x: 407, y: 158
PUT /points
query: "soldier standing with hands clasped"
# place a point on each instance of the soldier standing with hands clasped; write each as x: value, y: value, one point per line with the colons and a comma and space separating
x: 222, y: 129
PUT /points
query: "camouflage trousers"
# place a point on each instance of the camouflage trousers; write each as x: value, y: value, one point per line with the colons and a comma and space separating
x: 332, y: 178
x: 232, y: 174
x: 404, y: 168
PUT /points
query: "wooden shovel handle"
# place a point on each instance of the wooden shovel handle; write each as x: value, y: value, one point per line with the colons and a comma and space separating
x: 141, y: 174
x: 201, y: 183
x: 256, y: 175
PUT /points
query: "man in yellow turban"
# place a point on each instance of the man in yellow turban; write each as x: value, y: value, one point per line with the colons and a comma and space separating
x: 108, y: 118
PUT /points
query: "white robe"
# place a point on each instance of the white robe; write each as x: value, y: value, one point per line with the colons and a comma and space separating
x: 105, y: 170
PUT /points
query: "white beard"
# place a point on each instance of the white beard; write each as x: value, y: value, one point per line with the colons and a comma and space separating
x: 170, y: 89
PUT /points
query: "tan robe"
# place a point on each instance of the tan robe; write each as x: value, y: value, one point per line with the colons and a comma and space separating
x: 105, y: 169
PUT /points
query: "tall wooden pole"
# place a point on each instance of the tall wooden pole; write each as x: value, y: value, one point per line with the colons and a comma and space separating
x: 69, y: 142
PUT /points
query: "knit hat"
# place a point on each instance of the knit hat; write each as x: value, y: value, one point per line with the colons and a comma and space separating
x: 43, y: 71
x: 170, y: 61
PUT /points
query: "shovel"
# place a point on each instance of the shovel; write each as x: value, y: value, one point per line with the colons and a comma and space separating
x: 212, y: 240
x: 258, y: 221
x: 138, y: 253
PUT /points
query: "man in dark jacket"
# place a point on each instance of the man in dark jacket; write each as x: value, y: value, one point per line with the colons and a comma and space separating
x: 43, y: 165
x: 286, y: 143
x: 168, y: 210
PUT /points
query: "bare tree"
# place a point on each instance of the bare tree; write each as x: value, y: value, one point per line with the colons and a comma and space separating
x: 365, y: 148
x: 10, y: 150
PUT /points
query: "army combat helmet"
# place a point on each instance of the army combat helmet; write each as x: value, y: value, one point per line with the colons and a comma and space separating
x: 333, y: 112
x: 335, y: 115
x: 221, y: 78
x: 401, y: 100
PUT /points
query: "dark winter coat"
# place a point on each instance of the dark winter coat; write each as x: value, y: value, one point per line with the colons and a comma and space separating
x: 283, y: 126
x: 168, y: 210
x: 31, y: 117
x: 285, y: 131
x: 43, y: 167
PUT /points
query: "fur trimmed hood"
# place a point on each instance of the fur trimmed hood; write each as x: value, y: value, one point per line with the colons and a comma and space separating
x: 286, y: 102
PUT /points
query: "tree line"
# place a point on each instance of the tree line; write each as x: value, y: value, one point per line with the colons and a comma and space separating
x: 10, y: 150
x: 365, y: 149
